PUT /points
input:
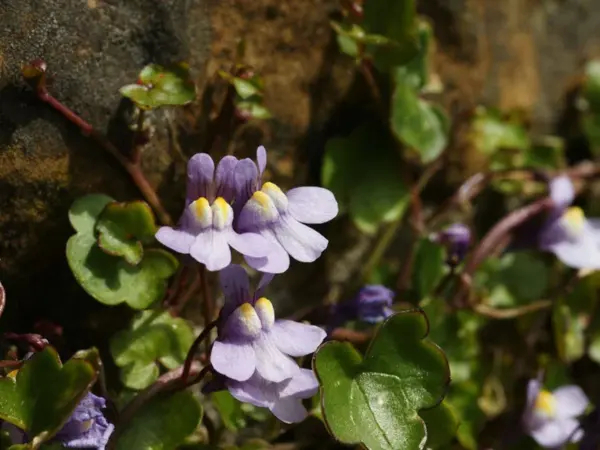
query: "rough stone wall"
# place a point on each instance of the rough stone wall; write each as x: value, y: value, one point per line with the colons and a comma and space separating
x: 516, y: 54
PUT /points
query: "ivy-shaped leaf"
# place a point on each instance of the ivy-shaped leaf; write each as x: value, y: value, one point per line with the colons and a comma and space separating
x: 429, y: 267
x: 162, y: 424
x: 363, y: 171
x: 376, y: 400
x: 159, y: 86
x: 155, y: 337
x: 441, y: 423
x: 44, y: 393
x: 110, y: 279
x: 123, y: 227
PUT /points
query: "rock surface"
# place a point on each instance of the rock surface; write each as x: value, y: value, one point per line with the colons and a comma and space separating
x: 519, y: 55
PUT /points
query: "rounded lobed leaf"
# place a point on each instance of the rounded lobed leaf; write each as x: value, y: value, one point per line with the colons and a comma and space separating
x: 123, y: 227
x: 162, y: 424
x: 44, y: 393
x: 154, y: 337
x: 84, y: 212
x: 376, y: 400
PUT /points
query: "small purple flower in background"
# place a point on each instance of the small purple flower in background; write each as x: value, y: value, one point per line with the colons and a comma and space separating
x: 86, y: 428
x: 456, y: 238
x: 253, y: 351
x: 567, y: 233
x: 372, y: 304
x: 280, y: 217
x: 550, y: 417
x: 205, y: 229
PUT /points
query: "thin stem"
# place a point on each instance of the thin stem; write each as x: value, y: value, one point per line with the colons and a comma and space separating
x: 136, y: 147
x: 356, y: 337
x: 365, y: 69
x: 510, y: 313
x: 133, y: 168
x: 167, y: 382
x: 187, y: 366
x: 11, y: 364
x: 208, y: 306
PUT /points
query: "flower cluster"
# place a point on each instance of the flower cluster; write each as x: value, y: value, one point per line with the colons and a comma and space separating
x: 231, y: 207
x: 253, y: 352
x: 551, y: 417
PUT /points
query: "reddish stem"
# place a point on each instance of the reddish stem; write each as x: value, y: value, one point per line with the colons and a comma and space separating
x: 132, y: 167
x: 187, y: 365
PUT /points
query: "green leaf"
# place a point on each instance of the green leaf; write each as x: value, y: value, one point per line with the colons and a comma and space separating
x: 230, y: 410
x: 417, y: 69
x: 591, y: 85
x: 571, y: 316
x: 441, y: 423
x: 363, y: 171
x: 154, y: 337
x: 375, y: 400
x: 123, y: 227
x: 158, y: 86
x: 111, y: 280
x: 254, y: 109
x: 396, y: 20
x: 44, y: 393
x: 418, y: 124
x: 429, y: 267
x: 515, y: 279
x: 85, y: 211
x: 162, y: 424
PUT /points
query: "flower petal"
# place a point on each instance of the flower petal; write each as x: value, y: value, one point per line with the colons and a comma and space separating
x: 312, y: 204
x: 249, y: 244
x: 245, y: 180
x: 277, y: 261
x: 296, y: 339
x: 235, y: 360
x: 224, y: 178
x: 261, y: 159
x: 301, y: 242
x: 177, y: 240
x: 571, y: 401
x: 562, y: 192
x: 256, y: 391
x: 302, y: 385
x: 235, y: 285
x: 271, y: 364
x: 211, y: 249
x: 200, y: 171
x: 265, y: 280
x: 580, y: 253
x: 289, y: 410
x: 555, y: 433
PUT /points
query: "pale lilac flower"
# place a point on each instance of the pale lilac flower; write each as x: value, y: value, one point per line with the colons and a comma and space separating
x: 86, y: 428
x: 456, y: 238
x: 280, y: 217
x: 551, y: 417
x: 253, y: 351
x: 567, y: 233
x: 205, y: 228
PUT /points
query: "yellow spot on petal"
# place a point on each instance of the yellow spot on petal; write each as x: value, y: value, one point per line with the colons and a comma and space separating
x: 222, y: 216
x: 262, y: 199
x: 545, y: 403
x: 574, y: 219
x: 276, y: 195
x: 268, y: 186
x: 266, y: 312
x: 250, y: 320
x: 202, y: 211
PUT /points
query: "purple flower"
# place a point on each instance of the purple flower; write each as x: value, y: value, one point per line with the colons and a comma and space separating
x: 456, y: 238
x: 567, y: 233
x: 550, y: 417
x: 205, y: 228
x: 372, y: 304
x: 254, y: 351
x: 86, y: 428
x: 280, y: 217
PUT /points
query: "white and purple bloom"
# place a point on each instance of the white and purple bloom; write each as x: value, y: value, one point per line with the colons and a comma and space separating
x: 567, y: 233
x: 253, y: 351
x: 456, y: 238
x: 205, y: 228
x: 86, y: 428
x: 281, y: 217
x: 551, y: 417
